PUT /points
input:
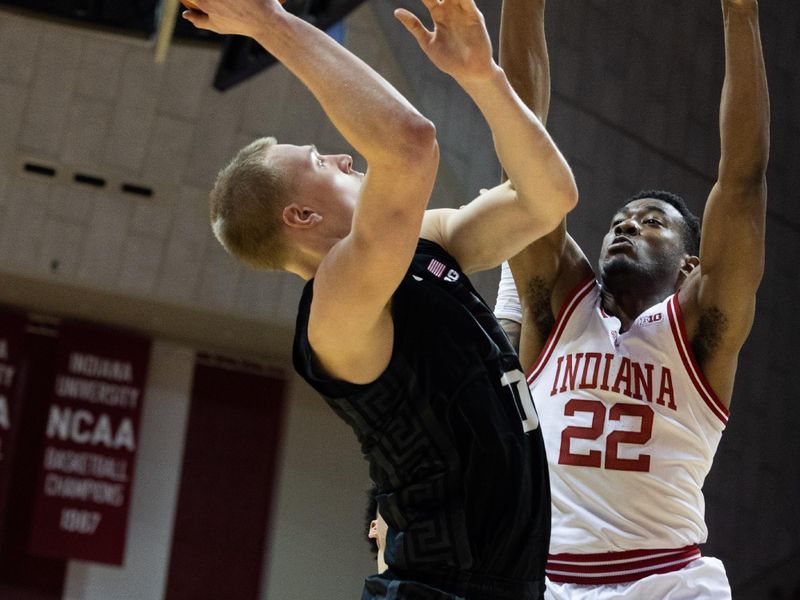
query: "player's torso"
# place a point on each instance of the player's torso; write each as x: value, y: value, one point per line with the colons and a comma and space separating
x: 630, y: 429
x: 470, y: 410
x: 450, y: 432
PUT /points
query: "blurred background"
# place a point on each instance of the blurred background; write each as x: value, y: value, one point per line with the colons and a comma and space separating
x: 245, y: 484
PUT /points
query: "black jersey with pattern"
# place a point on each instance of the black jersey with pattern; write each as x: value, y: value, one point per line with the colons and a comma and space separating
x: 462, y: 487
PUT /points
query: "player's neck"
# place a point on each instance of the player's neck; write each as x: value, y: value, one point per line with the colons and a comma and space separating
x: 628, y: 302
x: 308, y: 255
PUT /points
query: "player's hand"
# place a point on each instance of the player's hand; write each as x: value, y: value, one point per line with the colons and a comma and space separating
x: 239, y: 17
x: 459, y: 44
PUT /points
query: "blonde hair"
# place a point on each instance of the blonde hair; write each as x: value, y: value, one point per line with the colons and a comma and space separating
x: 246, y: 204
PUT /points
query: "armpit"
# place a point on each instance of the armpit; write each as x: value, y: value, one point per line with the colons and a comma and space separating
x: 710, y: 329
x: 538, y: 297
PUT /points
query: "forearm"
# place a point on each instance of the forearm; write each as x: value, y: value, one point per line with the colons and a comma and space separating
x: 367, y: 110
x: 744, y: 108
x: 525, y: 150
x: 523, y: 53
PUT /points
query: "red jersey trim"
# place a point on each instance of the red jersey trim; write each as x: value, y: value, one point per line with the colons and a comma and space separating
x: 617, y: 567
x: 690, y: 363
x: 572, y: 301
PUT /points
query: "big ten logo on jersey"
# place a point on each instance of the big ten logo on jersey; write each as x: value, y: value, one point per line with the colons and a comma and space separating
x: 645, y: 320
x: 518, y: 387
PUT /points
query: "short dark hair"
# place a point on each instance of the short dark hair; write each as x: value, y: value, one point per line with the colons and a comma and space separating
x: 370, y: 515
x: 691, y: 229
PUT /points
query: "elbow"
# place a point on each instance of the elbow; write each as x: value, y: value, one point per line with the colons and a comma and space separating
x: 418, y: 139
x: 570, y: 195
x: 564, y: 190
x: 750, y: 177
x: 415, y: 145
x: 567, y: 194
x: 746, y: 169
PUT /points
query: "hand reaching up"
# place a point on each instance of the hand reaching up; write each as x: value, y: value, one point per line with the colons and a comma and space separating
x: 459, y: 44
x: 240, y: 17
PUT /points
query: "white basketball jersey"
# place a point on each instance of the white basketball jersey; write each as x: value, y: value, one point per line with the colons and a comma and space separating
x: 630, y: 427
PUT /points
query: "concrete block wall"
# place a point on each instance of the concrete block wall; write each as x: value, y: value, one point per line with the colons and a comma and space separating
x: 85, y: 102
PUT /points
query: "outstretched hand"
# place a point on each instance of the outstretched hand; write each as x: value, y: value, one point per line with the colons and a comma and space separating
x: 459, y: 44
x: 239, y: 17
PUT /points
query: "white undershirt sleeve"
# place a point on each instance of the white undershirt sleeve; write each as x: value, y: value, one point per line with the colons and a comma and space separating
x: 507, y: 305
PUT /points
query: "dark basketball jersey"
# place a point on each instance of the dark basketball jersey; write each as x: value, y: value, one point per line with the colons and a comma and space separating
x: 451, y: 437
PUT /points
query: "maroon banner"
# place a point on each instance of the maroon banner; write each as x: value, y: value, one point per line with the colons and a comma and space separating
x: 84, y: 485
x: 12, y: 333
x: 238, y: 405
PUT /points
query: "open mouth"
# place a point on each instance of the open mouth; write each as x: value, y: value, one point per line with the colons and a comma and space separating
x: 620, y: 239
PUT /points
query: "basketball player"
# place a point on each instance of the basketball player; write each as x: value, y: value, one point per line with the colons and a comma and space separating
x: 389, y: 329
x: 632, y: 367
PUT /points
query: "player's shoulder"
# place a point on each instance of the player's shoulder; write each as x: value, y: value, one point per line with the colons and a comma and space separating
x: 433, y: 225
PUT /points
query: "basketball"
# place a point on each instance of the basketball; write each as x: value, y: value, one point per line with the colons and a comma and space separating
x: 190, y: 5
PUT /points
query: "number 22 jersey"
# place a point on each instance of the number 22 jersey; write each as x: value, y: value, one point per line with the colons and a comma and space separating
x: 630, y: 428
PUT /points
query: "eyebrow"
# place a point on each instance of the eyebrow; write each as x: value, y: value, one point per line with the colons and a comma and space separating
x: 656, y: 208
x: 645, y: 208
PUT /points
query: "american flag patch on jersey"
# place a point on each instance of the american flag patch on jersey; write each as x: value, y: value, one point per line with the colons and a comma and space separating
x: 436, y: 267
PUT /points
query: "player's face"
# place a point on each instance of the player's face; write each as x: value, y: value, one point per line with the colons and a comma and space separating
x: 645, y: 236
x: 326, y: 181
x: 377, y: 531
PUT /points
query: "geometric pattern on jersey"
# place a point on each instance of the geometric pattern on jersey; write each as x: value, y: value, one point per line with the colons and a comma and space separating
x: 462, y: 487
x: 630, y: 426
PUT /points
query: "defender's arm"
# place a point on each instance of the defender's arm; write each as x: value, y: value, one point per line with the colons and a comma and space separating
x: 546, y: 270
x: 719, y: 297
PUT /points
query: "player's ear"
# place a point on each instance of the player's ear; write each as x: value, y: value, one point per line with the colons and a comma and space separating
x: 301, y: 217
x: 688, y: 264
x: 373, y: 529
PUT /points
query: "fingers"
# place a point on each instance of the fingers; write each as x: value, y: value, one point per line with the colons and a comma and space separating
x: 190, y: 5
x: 414, y: 26
x: 197, y: 18
x: 467, y: 5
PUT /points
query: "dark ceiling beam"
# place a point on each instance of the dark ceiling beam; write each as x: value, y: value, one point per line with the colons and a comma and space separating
x: 242, y: 57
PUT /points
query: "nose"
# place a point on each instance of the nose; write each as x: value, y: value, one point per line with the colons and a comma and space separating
x: 345, y: 162
x: 626, y: 227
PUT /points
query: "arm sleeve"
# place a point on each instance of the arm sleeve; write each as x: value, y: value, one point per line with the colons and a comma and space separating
x: 507, y: 305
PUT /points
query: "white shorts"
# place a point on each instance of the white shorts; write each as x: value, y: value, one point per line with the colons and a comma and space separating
x: 702, y: 579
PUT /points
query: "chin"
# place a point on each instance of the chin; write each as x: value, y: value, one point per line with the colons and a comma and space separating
x: 620, y: 267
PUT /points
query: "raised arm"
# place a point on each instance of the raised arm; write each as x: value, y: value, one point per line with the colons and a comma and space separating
x: 350, y: 325
x: 523, y: 53
x: 374, y: 117
x: 547, y: 269
x: 719, y: 297
x: 503, y: 221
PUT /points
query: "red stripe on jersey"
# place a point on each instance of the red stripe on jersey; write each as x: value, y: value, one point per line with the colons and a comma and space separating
x: 617, y: 567
x: 572, y: 301
x: 690, y: 363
